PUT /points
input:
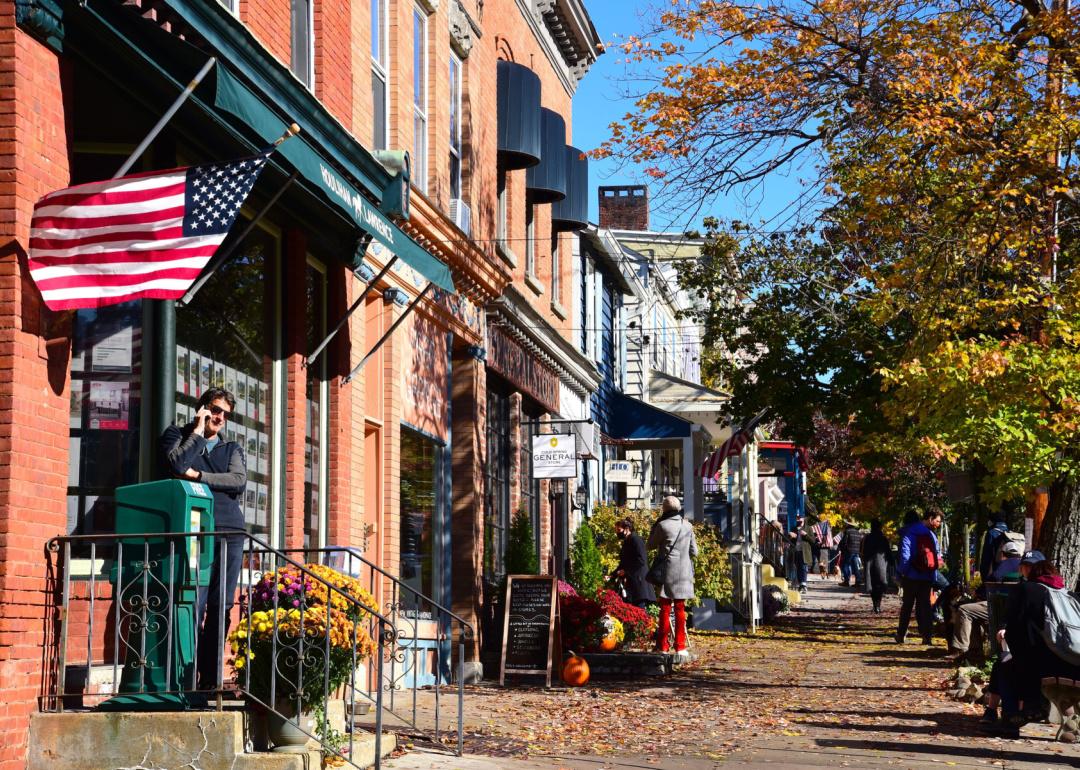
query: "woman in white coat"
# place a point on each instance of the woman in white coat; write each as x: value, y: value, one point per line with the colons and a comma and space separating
x: 673, y: 535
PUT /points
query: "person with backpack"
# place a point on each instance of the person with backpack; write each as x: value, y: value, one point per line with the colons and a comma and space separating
x: 919, y: 563
x: 1039, y: 640
x: 967, y: 615
x: 992, y: 544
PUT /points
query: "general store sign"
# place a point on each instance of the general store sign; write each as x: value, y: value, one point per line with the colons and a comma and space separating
x: 554, y: 456
x: 618, y: 471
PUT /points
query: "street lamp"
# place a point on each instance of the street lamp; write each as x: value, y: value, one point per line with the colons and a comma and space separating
x: 581, y: 498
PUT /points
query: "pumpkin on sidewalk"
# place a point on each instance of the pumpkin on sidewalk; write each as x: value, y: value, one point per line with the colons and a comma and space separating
x: 575, y: 670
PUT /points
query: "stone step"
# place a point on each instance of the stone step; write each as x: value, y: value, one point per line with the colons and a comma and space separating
x: 209, y: 740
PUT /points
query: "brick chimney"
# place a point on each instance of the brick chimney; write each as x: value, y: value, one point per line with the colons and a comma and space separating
x: 624, y: 207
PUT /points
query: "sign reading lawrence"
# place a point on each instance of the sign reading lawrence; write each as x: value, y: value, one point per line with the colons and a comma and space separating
x: 554, y: 456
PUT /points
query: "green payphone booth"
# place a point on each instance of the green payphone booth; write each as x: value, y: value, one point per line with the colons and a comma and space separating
x: 156, y: 584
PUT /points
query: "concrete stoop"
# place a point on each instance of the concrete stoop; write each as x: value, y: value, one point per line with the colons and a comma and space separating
x: 165, y: 741
x: 770, y: 578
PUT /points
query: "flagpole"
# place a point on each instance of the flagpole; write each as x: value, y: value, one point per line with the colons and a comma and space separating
x: 183, y: 97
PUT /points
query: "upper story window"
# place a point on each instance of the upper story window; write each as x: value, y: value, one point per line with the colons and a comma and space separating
x: 455, y: 126
x: 556, y: 284
x: 232, y: 5
x: 302, y: 24
x: 530, y: 240
x: 380, y: 65
x: 420, y: 100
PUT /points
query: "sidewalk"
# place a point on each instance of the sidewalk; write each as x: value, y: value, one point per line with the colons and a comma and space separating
x: 826, y: 686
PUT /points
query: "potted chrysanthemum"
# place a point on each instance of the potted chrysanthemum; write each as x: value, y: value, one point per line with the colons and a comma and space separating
x: 303, y: 634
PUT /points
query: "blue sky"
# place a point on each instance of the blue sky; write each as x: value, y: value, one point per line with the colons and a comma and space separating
x: 598, y: 102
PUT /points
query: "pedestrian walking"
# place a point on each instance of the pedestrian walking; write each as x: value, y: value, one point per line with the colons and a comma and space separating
x: 850, y: 546
x: 633, y: 565
x: 918, y: 569
x: 876, y: 552
x: 672, y: 537
x: 802, y: 538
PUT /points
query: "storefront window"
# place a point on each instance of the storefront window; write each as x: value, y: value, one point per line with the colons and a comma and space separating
x: 106, y: 377
x: 496, y: 483
x: 530, y: 487
x: 227, y: 337
x: 316, y: 427
x: 419, y: 498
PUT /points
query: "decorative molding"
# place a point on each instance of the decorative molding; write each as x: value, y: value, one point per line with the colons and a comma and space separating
x: 428, y: 6
x: 464, y: 31
x: 42, y: 20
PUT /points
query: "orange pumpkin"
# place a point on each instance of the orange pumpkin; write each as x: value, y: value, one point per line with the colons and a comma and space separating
x: 608, y: 643
x: 575, y: 670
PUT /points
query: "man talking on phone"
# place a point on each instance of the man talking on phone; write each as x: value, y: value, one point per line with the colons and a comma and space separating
x: 198, y: 452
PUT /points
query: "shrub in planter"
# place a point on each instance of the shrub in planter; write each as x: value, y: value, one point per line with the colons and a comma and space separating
x: 774, y: 601
x: 639, y: 627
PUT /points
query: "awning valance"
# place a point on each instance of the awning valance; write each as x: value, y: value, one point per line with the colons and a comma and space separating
x: 328, y: 159
x: 632, y: 419
x: 238, y: 100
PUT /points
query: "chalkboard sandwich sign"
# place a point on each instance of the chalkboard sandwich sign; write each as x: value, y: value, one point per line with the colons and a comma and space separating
x: 532, y: 604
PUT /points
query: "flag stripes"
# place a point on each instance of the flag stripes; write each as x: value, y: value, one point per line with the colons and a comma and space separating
x: 145, y: 236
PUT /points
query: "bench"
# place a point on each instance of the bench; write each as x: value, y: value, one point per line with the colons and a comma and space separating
x: 1064, y: 693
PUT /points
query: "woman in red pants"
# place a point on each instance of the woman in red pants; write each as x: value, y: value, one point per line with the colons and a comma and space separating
x: 673, y: 537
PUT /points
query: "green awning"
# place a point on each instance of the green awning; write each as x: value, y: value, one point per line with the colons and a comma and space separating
x: 238, y: 100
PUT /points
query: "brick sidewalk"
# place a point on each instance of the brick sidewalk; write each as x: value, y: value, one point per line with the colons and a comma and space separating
x: 825, y: 686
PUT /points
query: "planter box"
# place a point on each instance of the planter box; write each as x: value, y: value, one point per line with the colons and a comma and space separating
x: 708, y: 618
x: 628, y: 665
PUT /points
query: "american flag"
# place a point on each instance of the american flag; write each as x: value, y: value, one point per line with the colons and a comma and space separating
x: 141, y: 236
x: 730, y: 448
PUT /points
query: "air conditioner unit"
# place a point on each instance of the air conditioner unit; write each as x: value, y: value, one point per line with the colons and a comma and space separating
x: 461, y: 215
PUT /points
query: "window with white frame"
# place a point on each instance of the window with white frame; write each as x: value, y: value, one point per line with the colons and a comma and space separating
x: 231, y: 5
x: 502, y: 209
x: 530, y: 240
x: 420, y: 97
x: 380, y: 66
x: 455, y: 126
x: 555, y: 285
x: 302, y: 24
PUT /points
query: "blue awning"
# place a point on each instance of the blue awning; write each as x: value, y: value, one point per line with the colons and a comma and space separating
x: 632, y: 419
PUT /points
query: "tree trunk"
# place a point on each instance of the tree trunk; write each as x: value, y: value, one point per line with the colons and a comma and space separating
x: 1060, y: 536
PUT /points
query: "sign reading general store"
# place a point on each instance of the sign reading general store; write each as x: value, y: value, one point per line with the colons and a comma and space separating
x: 506, y: 356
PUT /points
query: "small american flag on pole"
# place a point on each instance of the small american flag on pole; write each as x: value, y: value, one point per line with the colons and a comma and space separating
x: 144, y: 236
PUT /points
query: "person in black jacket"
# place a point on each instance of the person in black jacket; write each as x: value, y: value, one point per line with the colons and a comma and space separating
x: 876, y: 552
x: 199, y: 452
x: 633, y: 565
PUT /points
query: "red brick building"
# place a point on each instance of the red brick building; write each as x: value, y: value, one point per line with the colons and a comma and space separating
x: 447, y: 401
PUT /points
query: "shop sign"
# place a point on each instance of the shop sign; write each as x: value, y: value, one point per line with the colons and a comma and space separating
x: 554, y: 456
x: 618, y: 471
x: 509, y: 359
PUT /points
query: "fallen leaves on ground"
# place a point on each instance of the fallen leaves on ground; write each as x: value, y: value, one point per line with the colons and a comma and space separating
x: 817, y: 677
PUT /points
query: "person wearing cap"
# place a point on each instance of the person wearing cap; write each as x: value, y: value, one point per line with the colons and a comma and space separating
x: 1028, y: 658
x: 998, y: 528
x: 967, y: 615
x: 673, y: 536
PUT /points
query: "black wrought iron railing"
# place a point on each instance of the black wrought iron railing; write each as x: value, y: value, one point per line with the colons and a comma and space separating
x: 125, y: 628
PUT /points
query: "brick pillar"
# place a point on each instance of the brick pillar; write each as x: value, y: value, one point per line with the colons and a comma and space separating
x: 294, y: 340
x: 34, y: 387
x: 345, y: 526
x: 468, y: 456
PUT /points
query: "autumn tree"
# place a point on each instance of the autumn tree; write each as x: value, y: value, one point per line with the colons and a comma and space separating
x: 937, y: 142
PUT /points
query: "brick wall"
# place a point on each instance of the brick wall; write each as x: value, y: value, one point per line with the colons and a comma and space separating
x: 33, y: 368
